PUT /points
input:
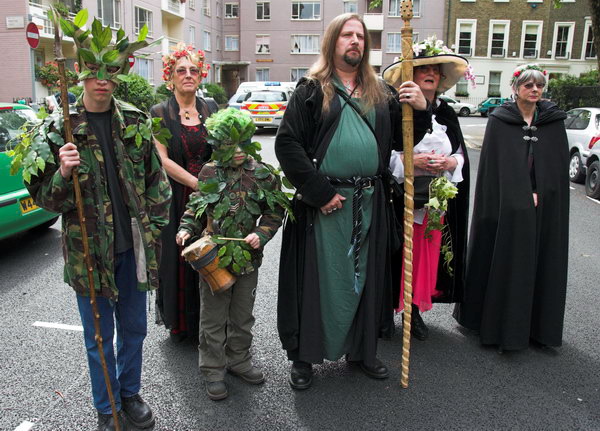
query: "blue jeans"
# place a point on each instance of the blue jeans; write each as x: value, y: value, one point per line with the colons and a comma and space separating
x: 129, y: 312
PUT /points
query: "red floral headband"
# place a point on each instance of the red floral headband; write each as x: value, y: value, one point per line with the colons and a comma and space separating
x: 522, y: 69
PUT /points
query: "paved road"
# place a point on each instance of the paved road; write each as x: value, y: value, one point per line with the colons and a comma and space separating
x: 455, y: 383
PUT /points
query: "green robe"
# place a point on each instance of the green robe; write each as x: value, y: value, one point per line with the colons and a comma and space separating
x: 352, y: 152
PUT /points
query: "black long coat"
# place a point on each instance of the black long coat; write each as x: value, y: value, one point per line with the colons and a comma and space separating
x: 457, y: 217
x: 517, y: 260
x: 301, y: 144
x: 166, y: 298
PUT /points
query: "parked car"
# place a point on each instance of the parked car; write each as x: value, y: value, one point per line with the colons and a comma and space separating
x: 266, y: 107
x: 462, y: 109
x: 237, y: 100
x: 583, y: 131
x: 486, y: 107
x: 592, y: 179
x: 18, y: 212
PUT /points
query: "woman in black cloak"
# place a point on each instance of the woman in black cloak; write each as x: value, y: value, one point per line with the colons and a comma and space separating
x: 517, y: 261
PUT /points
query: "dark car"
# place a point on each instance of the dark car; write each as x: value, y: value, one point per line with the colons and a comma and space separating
x: 18, y: 212
x: 486, y: 107
x: 592, y: 179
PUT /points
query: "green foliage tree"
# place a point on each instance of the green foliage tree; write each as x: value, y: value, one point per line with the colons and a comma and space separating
x: 136, y: 91
x: 571, y: 91
x: 216, y: 92
x: 162, y: 93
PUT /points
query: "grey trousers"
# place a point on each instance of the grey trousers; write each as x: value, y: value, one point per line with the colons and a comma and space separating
x: 226, y: 323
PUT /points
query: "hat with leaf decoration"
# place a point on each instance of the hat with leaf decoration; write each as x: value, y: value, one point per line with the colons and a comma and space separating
x: 433, y: 51
x: 228, y: 129
x: 98, y: 57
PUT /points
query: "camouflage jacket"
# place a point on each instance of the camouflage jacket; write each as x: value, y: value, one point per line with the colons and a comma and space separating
x: 145, y: 189
x: 240, y: 183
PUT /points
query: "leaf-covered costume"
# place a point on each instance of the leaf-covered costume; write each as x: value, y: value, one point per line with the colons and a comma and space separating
x: 145, y: 190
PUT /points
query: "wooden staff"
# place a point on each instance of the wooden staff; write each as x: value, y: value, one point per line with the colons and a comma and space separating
x: 409, y: 189
x: 60, y: 61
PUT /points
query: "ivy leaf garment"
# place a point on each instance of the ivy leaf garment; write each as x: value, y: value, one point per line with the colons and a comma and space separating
x: 517, y: 257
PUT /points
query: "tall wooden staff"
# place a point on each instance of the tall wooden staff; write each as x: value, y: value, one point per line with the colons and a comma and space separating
x: 64, y: 95
x: 409, y: 189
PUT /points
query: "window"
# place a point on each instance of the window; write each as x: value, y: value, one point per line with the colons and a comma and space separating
x: 531, y: 38
x: 206, y: 7
x: 494, y: 86
x: 109, y: 12
x: 498, y: 38
x: 297, y: 72
x: 305, y: 44
x: 192, y: 35
x: 417, y: 8
x: 206, y: 40
x: 263, y: 10
x: 232, y: 43
x: 145, y: 68
x: 394, y: 42
x: 192, y: 4
x: 351, y: 6
x: 306, y: 10
x: 232, y: 10
x: 263, y: 44
x: 589, y: 48
x: 462, y: 88
x: 143, y: 16
x: 465, y: 36
x: 563, y: 39
x: 262, y: 74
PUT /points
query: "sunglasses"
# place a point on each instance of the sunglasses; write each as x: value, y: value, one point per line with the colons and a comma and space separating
x: 182, y: 71
x: 530, y: 85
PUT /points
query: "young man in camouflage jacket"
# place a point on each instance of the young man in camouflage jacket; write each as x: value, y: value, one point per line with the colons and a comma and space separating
x: 242, y: 199
x: 126, y: 196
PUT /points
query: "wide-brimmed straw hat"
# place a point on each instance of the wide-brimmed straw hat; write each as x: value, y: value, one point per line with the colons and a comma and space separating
x: 432, y: 51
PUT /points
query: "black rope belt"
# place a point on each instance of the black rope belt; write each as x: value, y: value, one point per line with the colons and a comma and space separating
x: 359, y: 184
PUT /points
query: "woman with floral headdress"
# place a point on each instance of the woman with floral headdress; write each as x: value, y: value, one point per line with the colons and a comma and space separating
x: 441, y: 153
x: 517, y: 263
x: 184, y: 115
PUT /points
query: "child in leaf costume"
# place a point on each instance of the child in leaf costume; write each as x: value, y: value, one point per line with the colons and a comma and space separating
x: 242, y: 198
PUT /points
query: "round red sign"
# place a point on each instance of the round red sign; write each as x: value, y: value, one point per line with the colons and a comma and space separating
x: 131, y: 60
x: 33, y: 35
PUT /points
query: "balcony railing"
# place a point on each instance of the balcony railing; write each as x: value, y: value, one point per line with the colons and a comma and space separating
x: 39, y: 15
x: 376, y: 57
x: 373, y: 21
x: 174, y: 7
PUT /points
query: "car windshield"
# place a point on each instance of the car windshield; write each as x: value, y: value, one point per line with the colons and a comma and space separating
x: 267, y: 96
x: 10, y: 122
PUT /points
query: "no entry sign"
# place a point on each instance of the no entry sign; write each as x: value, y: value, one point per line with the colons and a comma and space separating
x: 33, y: 35
x: 131, y: 59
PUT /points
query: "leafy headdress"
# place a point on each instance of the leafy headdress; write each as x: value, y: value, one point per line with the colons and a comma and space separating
x: 98, y: 57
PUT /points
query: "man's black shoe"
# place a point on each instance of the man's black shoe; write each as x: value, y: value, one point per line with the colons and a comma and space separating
x: 301, y: 375
x: 418, y: 329
x: 378, y: 371
x: 107, y: 422
x: 137, y: 411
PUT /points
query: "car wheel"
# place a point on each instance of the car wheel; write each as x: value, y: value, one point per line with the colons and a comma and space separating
x: 592, y: 181
x: 576, y: 173
x: 484, y: 113
x: 490, y: 111
x: 464, y: 112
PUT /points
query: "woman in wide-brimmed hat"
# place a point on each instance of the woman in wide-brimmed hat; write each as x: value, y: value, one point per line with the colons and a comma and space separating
x: 441, y: 152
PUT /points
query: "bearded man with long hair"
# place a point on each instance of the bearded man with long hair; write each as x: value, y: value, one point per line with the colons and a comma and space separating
x: 334, y: 145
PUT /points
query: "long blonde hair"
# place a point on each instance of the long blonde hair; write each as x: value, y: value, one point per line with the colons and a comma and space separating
x: 323, y: 70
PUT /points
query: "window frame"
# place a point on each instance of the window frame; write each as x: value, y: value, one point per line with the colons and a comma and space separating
x: 262, y: 3
x: 150, y: 64
x: 192, y: 34
x: 317, y: 36
x: 345, y: 3
x: 136, y: 25
x: 387, y: 45
x: 490, y: 83
x: 538, y: 42
x: 586, y: 34
x: 569, y: 41
x: 506, y: 23
x: 313, y: 3
x: 262, y: 69
x: 256, y: 44
x: 116, y: 5
x: 473, y: 23
x: 206, y: 46
x: 297, y: 68
x: 232, y: 4
x: 231, y: 37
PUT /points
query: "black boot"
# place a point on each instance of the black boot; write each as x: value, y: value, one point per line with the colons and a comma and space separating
x: 301, y: 375
x: 107, y: 422
x: 137, y: 411
x: 418, y: 329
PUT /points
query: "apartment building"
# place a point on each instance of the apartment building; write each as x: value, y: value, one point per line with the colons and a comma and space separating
x: 244, y: 40
x: 499, y: 35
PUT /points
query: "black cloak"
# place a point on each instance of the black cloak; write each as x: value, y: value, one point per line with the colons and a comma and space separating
x: 517, y: 261
x: 457, y: 218
x: 300, y: 146
x: 166, y: 298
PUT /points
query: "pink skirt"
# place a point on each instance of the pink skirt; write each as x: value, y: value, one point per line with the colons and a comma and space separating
x: 426, y: 255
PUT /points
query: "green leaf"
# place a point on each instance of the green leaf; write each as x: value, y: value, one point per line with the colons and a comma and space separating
x: 145, y: 131
x: 96, y: 28
x: 56, y: 138
x: 81, y: 18
x: 122, y: 45
x: 262, y: 173
x: 130, y: 131
x: 67, y: 27
x: 41, y: 164
x: 219, y: 210
x: 236, y: 268
x: 95, y: 46
x: 212, y: 198
x: 27, y: 176
x: 87, y: 55
x: 124, y: 78
x: 226, y: 223
x: 222, y: 251
x: 252, y: 207
x: 105, y: 37
x: 211, y: 185
x: 83, y: 36
x: 143, y: 33
x: 110, y: 56
x: 287, y: 184
x: 225, y: 261
x: 138, y: 140
x: 247, y: 255
x: 120, y: 34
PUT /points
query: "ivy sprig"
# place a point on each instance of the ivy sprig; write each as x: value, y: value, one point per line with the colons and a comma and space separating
x: 440, y: 191
x: 151, y: 128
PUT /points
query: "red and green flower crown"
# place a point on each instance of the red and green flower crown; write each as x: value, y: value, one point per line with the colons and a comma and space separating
x: 519, y: 70
x: 181, y: 51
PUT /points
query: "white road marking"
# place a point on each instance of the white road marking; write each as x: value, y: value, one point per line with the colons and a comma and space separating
x: 58, y: 326
x: 593, y: 200
x: 25, y: 426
